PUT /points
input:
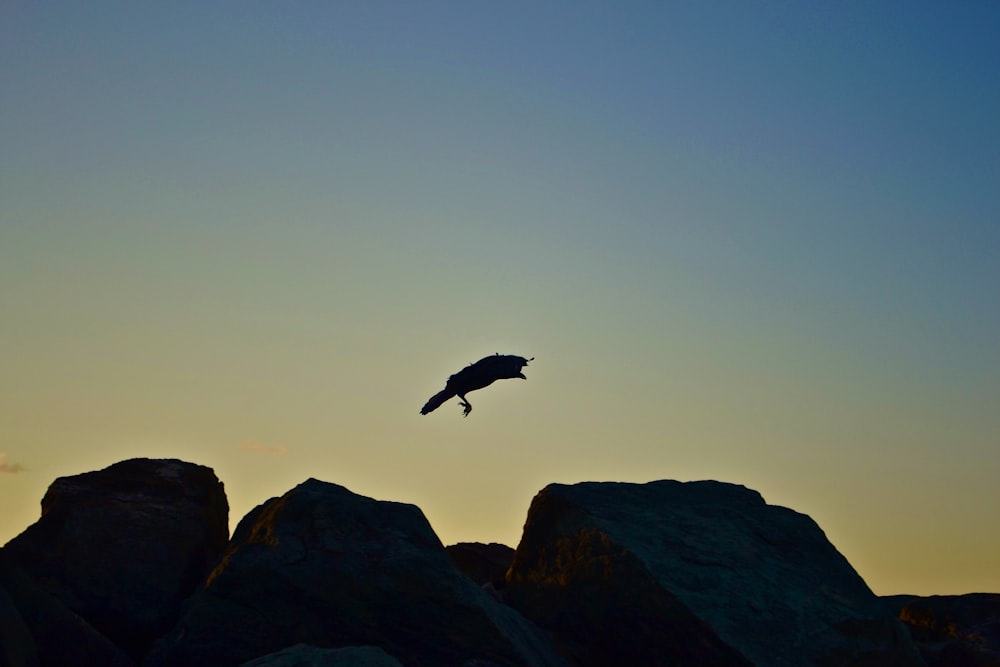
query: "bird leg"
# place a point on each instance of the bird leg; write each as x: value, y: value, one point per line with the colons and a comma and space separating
x: 466, y: 406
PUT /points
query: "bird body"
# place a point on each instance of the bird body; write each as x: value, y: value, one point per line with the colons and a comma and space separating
x: 481, y: 374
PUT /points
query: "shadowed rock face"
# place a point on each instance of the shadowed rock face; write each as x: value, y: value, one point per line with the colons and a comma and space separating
x: 303, y: 655
x: 16, y: 644
x: 953, y: 629
x: 323, y: 566
x: 483, y: 563
x: 56, y: 636
x: 695, y: 573
x: 121, y: 548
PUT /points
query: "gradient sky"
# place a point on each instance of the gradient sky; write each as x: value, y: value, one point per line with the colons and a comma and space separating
x: 757, y: 242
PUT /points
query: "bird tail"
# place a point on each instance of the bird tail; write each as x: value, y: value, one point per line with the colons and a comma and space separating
x: 436, y: 400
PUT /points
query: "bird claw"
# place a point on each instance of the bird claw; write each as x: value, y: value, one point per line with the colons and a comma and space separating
x: 466, y: 408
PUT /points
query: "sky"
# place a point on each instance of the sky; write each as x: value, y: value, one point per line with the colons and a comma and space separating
x: 750, y: 242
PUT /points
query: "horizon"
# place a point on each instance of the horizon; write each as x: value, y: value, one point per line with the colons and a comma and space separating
x: 754, y: 244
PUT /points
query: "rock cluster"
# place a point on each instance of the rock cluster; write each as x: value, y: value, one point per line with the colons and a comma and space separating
x: 326, y: 567
x: 132, y: 566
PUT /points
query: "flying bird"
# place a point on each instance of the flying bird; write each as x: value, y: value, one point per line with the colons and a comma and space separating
x: 481, y: 374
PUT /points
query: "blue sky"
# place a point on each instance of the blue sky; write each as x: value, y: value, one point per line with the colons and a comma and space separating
x: 755, y: 242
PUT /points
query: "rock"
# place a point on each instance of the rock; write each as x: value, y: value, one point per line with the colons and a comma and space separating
x: 17, y: 648
x: 324, y: 566
x: 691, y: 574
x: 483, y: 563
x: 304, y: 655
x: 895, y: 603
x: 57, y: 636
x: 124, y: 546
x: 954, y: 630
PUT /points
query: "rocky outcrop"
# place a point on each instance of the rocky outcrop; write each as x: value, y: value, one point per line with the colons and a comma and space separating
x: 692, y: 574
x: 118, y: 551
x: 130, y: 566
x: 324, y: 566
x: 953, y: 630
x: 304, y: 655
x: 485, y: 564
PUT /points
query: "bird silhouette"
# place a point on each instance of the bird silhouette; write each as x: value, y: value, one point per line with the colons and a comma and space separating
x: 481, y: 374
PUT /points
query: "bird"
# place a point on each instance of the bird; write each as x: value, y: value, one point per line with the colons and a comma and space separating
x: 481, y: 374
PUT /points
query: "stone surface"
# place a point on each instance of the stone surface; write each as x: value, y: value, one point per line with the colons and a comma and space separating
x: 483, y: 563
x: 57, y: 636
x: 324, y: 566
x: 627, y: 571
x: 304, y: 655
x: 17, y: 648
x: 953, y: 629
x: 123, y: 547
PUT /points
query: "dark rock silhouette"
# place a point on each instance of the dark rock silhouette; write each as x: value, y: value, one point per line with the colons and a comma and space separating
x: 701, y: 573
x: 483, y: 563
x: 481, y: 374
x: 57, y: 636
x: 16, y: 644
x: 121, y: 548
x: 327, y: 567
x: 304, y: 655
x: 675, y: 573
x: 953, y: 630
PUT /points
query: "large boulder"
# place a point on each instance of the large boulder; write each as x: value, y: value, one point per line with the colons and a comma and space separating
x: 121, y: 548
x: 954, y: 630
x: 693, y: 574
x: 324, y: 566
